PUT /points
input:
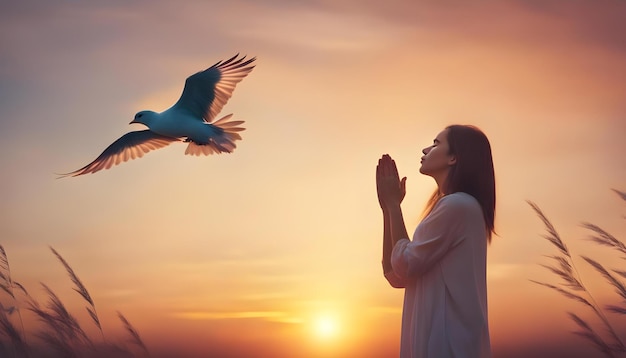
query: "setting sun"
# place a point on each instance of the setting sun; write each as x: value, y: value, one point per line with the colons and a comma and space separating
x: 326, y: 327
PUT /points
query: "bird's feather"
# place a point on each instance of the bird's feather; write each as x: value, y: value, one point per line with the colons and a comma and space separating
x: 222, y: 143
x: 131, y: 145
x: 206, y: 92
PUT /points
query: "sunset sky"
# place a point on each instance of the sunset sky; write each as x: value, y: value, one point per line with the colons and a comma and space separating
x: 274, y: 250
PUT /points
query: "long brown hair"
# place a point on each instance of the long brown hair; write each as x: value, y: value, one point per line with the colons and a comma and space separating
x: 472, y: 173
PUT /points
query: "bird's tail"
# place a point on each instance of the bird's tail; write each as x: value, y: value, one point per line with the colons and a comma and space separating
x: 224, y: 142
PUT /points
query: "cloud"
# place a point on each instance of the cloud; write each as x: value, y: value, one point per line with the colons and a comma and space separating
x: 220, y: 315
x: 385, y: 310
x: 595, y: 23
x: 316, y: 30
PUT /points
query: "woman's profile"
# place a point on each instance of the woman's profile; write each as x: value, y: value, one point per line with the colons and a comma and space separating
x: 443, y: 267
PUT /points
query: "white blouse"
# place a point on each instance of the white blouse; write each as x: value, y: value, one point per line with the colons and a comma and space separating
x: 443, y: 271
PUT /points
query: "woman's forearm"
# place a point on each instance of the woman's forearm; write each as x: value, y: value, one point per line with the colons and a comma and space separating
x: 387, y: 244
x: 396, y: 224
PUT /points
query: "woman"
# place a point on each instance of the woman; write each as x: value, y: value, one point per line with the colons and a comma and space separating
x: 443, y: 269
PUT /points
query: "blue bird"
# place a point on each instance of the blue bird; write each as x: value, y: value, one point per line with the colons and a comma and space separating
x: 190, y: 120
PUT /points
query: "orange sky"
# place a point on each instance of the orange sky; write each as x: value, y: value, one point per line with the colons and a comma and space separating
x: 259, y: 250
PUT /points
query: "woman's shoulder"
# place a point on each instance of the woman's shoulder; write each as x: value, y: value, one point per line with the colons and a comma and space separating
x: 454, y: 210
x: 459, y: 200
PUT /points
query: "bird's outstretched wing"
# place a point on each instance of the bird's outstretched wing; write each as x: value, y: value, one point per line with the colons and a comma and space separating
x: 206, y: 92
x: 129, y: 146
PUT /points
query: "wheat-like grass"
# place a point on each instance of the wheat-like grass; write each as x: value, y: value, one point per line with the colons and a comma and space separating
x: 7, y: 285
x: 567, y: 271
x: 6, y: 327
x: 602, y: 237
x: 133, y: 333
x: 588, y: 333
x: 553, y: 236
x: 622, y: 194
x: 61, y: 347
x: 567, y: 294
x: 617, y: 284
x: 61, y: 331
x: 82, y: 290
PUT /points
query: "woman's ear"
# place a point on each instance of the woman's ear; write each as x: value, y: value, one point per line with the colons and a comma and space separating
x: 452, y: 160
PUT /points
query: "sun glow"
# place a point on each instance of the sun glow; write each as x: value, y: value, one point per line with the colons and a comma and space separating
x: 326, y: 327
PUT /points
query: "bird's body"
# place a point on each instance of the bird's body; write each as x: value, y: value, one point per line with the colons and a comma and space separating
x: 191, y: 119
x: 176, y: 124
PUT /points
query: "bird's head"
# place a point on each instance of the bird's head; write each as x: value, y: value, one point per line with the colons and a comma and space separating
x: 144, y: 117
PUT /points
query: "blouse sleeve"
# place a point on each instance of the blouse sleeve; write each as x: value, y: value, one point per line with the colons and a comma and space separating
x: 394, y: 280
x: 442, y: 230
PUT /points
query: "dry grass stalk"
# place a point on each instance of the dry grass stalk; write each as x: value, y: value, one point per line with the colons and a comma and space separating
x: 6, y: 327
x: 63, y: 332
x: 133, y: 333
x: 588, y: 333
x: 567, y: 271
x: 604, y: 238
x: 81, y: 289
x: 553, y: 236
x: 61, y: 347
x: 69, y: 328
x: 567, y: 294
x: 7, y: 285
x: 619, y: 286
x: 615, y: 309
x: 622, y: 194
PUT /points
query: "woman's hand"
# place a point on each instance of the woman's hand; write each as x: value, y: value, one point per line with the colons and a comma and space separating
x: 391, y: 190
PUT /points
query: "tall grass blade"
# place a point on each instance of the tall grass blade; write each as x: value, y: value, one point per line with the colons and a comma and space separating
x: 620, y: 193
x: 19, y: 285
x: 619, y: 286
x: 5, y: 288
x: 63, y: 332
x: 7, y: 284
x: 570, y: 280
x: 69, y: 325
x: 567, y: 271
x: 6, y: 327
x: 553, y: 236
x: 81, y: 289
x: 566, y: 293
x: 616, y: 309
x: 133, y: 333
x: 621, y: 273
x: 604, y: 238
x: 588, y: 333
x: 58, y: 344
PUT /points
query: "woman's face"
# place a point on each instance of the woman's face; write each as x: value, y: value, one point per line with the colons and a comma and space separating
x: 436, y: 160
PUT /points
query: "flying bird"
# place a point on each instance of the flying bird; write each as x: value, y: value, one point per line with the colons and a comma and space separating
x: 191, y: 119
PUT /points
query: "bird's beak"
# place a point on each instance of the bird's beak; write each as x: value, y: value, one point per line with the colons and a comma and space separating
x: 133, y: 121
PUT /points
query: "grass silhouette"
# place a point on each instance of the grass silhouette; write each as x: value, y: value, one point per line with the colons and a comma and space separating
x: 82, y: 290
x: 61, y: 335
x: 572, y: 286
x: 19, y: 346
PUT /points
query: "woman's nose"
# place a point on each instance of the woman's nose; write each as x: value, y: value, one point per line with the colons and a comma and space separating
x: 426, y: 150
